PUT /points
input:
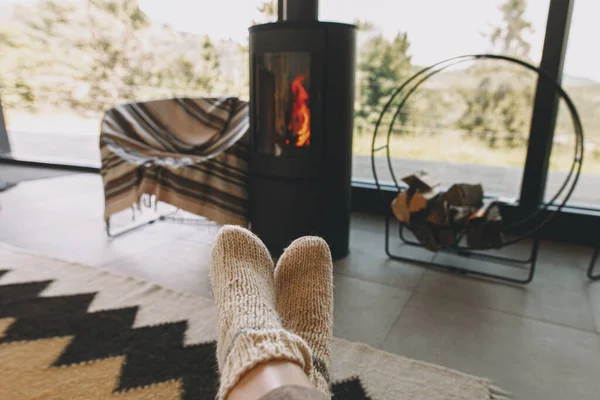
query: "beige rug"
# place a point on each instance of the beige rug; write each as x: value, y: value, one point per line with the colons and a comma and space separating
x: 69, y: 331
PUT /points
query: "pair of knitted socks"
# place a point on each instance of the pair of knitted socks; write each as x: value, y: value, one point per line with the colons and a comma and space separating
x: 266, y: 315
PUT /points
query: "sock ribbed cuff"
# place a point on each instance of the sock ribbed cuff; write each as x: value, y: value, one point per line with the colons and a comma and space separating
x: 304, y: 293
x: 253, y: 347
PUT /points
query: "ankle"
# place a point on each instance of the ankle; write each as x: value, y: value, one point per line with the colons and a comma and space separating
x: 267, y: 377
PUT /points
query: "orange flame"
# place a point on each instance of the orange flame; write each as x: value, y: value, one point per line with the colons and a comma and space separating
x: 300, y: 122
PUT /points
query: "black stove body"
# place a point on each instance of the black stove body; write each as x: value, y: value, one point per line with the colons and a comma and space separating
x: 301, y: 115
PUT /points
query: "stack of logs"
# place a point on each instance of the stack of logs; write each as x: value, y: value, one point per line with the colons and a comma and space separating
x: 441, y: 219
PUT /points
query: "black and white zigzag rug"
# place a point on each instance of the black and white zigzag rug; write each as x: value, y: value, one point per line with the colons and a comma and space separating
x: 69, y: 331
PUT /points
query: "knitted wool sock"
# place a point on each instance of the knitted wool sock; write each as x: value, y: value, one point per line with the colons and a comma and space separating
x: 304, y: 292
x: 250, y: 332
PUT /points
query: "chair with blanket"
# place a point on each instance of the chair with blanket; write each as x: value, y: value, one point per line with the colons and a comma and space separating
x: 190, y: 153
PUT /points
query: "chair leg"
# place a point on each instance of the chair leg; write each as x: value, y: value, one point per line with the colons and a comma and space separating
x: 129, y: 229
x: 135, y: 227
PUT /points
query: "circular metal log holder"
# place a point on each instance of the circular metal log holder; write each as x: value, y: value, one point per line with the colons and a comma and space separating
x: 528, y: 226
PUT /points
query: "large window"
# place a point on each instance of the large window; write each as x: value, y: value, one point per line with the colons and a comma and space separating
x: 474, y: 115
x: 581, y: 79
x: 64, y: 62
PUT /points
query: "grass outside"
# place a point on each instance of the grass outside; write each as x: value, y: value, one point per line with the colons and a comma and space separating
x: 52, y: 121
x: 449, y: 146
x: 455, y: 147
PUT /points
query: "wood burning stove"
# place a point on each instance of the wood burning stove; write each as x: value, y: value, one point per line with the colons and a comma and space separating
x: 301, y: 116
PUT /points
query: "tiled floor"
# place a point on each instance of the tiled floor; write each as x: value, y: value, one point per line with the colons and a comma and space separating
x: 539, y: 342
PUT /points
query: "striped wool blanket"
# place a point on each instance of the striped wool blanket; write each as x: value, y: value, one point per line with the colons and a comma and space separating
x: 191, y: 153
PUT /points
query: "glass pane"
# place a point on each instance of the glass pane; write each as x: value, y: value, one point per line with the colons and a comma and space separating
x: 64, y: 63
x: 283, y: 102
x: 581, y: 80
x: 466, y: 124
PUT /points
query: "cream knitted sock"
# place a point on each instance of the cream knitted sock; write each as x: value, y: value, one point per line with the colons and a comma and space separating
x: 304, y: 292
x: 250, y: 332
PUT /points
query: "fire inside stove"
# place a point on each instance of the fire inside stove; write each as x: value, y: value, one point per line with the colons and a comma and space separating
x: 283, y: 114
x: 300, y: 120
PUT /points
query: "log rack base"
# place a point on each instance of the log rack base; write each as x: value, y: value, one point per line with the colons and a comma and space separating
x: 528, y: 264
x: 590, y: 271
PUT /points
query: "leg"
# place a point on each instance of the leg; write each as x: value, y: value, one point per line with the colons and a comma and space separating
x: 270, y: 376
x: 304, y: 288
x: 250, y: 333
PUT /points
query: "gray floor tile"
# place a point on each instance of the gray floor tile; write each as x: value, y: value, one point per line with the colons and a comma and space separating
x: 368, y: 261
x: 565, y: 254
x: 365, y: 311
x: 593, y: 290
x: 532, y: 359
x: 518, y: 270
x: 367, y: 222
x: 71, y: 197
x: 557, y: 294
x: 20, y: 222
x: 86, y: 242
x: 177, y: 264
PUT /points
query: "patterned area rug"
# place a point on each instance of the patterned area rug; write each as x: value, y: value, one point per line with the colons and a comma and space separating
x: 69, y: 331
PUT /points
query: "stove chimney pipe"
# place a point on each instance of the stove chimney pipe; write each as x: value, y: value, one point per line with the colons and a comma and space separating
x: 297, y: 10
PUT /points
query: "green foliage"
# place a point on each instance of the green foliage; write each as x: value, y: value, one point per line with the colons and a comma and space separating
x: 508, y: 38
x: 496, y: 113
x: 13, y: 88
x: 124, y: 10
x: 87, y: 56
x: 383, y: 65
x: 268, y: 8
x: 268, y: 11
x: 498, y: 110
x: 364, y: 25
x: 586, y: 96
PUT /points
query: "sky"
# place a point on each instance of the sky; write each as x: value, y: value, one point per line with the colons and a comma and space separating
x: 437, y: 29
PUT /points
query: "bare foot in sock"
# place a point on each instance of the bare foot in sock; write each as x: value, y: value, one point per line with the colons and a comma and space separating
x: 304, y: 292
x: 250, y: 332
